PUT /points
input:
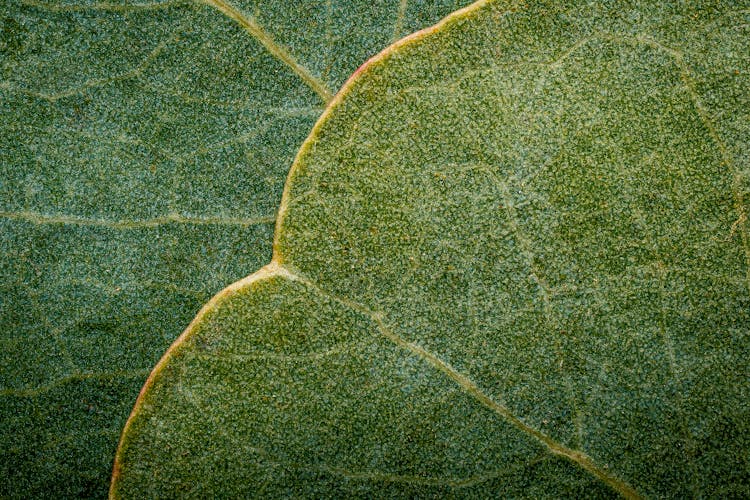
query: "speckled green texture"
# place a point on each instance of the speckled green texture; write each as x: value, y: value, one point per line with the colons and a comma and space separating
x: 511, y: 260
x: 143, y: 150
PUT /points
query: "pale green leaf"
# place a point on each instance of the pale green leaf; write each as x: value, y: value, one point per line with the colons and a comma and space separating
x: 143, y: 150
x: 512, y: 261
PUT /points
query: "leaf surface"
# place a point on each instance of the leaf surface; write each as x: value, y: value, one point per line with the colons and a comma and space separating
x: 511, y: 260
x: 143, y: 150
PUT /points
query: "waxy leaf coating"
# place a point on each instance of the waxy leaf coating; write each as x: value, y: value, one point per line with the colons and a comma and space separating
x: 511, y: 260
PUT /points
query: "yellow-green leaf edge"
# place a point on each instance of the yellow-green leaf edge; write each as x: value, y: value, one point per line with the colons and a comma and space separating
x: 276, y: 269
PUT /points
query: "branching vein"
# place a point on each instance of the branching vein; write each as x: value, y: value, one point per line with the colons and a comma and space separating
x: 95, y: 82
x: 399, y: 26
x: 272, y: 46
x: 40, y: 219
x: 726, y: 158
x: 104, y: 6
x: 76, y: 377
x: 556, y: 448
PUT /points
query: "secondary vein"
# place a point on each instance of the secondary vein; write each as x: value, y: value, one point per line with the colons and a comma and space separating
x: 75, y: 377
x: 37, y: 218
x: 399, y: 25
x: 556, y: 448
x: 103, y: 6
x: 272, y: 46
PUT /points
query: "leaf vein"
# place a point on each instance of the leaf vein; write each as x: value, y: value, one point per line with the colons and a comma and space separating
x: 75, y: 377
x: 340, y: 348
x: 726, y: 159
x: 266, y: 458
x: 104, y: 6
x: 95, y: 82
x: 42, y: 219
x: 278, y: 51
x: 399, y: 24
x: 556, y: 448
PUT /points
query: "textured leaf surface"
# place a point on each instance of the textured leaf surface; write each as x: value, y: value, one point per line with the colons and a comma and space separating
x: 143, y: 149
x: 512, y: 260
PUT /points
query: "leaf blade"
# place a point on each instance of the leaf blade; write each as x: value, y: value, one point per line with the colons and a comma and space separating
x: 548, y: 215
x: 144, y: 150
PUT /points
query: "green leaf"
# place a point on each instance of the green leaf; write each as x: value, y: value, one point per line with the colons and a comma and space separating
x: 143, y: 150
x: 512, y: 260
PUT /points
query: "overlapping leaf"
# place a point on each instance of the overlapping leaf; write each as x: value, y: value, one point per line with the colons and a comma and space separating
x: 143, y: 148
x: 512, y: 261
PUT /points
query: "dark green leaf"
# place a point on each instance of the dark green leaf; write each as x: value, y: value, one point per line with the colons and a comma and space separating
x: 143, y: 148
x: 512, y: 261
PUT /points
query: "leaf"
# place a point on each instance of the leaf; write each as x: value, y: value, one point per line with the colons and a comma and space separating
x: 144, y: 147
x: 512, y: 260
